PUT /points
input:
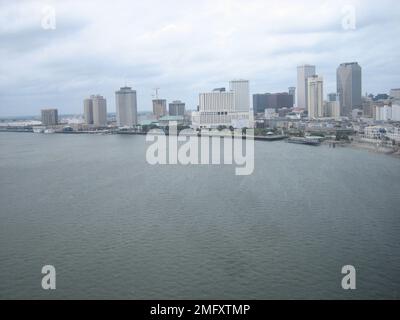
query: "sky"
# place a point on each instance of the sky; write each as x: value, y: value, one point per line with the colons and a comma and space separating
x: 56, y: 53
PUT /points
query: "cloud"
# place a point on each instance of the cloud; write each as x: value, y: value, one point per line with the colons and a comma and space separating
x: 185, y: 47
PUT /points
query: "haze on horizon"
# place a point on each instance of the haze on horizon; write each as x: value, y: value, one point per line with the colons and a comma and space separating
x: 185, y: 47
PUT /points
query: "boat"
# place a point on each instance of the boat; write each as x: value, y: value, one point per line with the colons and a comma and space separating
x: 38, y: 129
x: 49, y: 131
x: 304, y: 140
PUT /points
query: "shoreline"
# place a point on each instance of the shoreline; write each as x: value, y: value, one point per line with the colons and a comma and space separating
x: 390, y: 151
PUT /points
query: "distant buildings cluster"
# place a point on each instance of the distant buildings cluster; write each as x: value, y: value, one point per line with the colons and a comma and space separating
x: 223, y: 107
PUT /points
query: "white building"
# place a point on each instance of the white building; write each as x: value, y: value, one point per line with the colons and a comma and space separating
x: 332, y: 109
x: 99, y: 110
x: 374, y: 132
x: 303, y: 73
x: 383, y: 113
x: 126, y: 107
x: 396, y: 112
x: 315, y: 97
x: 224, y: 108
x: 242, y: 94
x: 393, y: 134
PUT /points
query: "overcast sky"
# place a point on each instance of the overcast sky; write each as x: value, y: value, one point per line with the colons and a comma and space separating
x: 185, y: 47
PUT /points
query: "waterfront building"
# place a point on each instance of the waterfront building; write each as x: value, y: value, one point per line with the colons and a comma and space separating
x: 242, y: 94
x: 166, y: 121
x: 126, y: 107
x: 159, y: 108
x: 315, y: 97
x: 99, y: 110
x: 219, y: 107
x: 176, y: 108
x: 88, y: 111
x: 348, y: 82
x: 271, y: 101
x: 49, y: 117
x: 303, y: 73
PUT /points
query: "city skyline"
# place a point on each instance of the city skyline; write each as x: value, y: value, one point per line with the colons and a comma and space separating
x: 185, y: 53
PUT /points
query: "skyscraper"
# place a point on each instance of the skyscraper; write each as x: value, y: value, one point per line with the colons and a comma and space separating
x: 292, y: 92
x: 220, y: 107
x: 49, y: 117
x: 348, y: 79
x: 159, y: 108
x: 88, y: 111
x: 126, y: 107
x: 303, y: 72
x: 271, y: 101
x: 176, y: 108
x: 99, y: 110
x: 242, y: 94
x: 315, y: 99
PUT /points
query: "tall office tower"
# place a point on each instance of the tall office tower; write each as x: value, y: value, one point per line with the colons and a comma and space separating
x: 88, y: 111
x: 303, y: 72
x: 315, y: 97
x: 176, y: 108
x: 126, y: 107
x: 242, y: 94
x: 99, y: 110
x: 159, y: 108
x: 332, y: 97
x: 260, y: 103
x: 348, y: 79
x: 271, y: 101
x: 49, y: 117
x: 292, y: 92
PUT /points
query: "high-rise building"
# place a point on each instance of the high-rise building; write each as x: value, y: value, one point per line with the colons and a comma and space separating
x: 348, y: 78
x: 49, y: 117
x: 219, y: 107
x: 176, y: 108
x: 332, y: 109
x: 88, y: 110
x: 292, y: 92
x: 126, y: 107
x: 303, y: 72
x: 271, y: 101
x: 260, y: 103
x: 242, y: 94
x: 99, y: 110
x: 315, y: 97
x: 159, y: 108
